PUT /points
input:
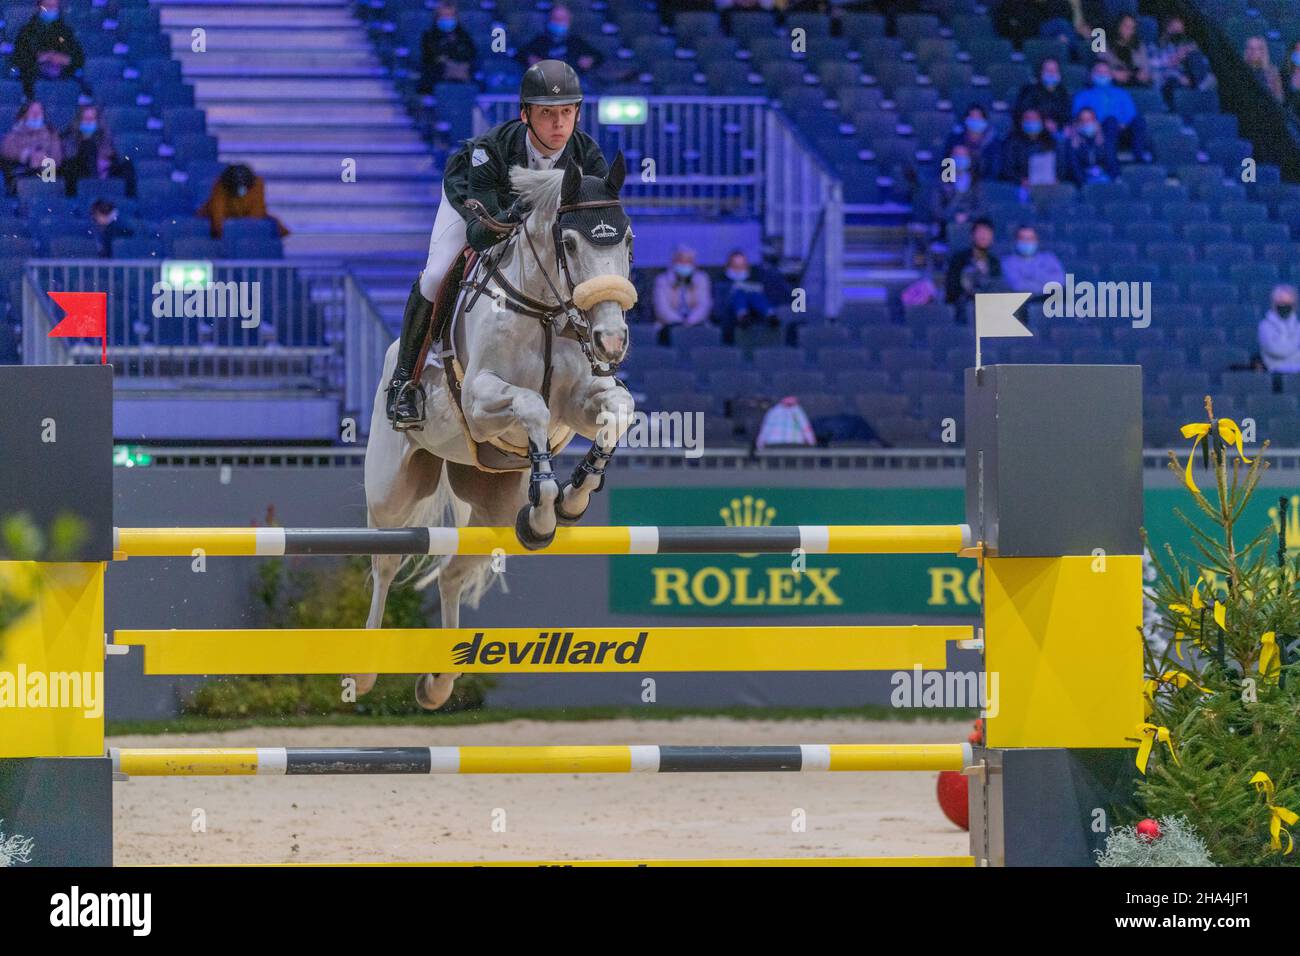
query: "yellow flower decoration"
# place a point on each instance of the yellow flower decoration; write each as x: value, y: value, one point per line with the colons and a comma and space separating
x: 1177, y: 678
x: 1270, y: 660
x: 1228, y: 431
x: 1277, y: 815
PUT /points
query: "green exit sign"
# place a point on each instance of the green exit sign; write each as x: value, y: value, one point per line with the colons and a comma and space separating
x: 179, y: 273
x: 623, y: 110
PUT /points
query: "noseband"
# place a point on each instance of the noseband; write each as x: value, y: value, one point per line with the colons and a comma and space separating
x: 574, y: 306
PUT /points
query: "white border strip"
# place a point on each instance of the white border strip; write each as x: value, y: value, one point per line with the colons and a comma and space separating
x: 444, y: 540
x: 444, y: 760
x: 815, y: 757
x: 645, y: 758
x: 815, y: 538
x: 644, y: 540
x: 270, y: 541
x: 272, y: 761
x: 966, y: 541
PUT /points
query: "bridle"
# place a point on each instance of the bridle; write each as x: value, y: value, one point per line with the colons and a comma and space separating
x: 578, y: 320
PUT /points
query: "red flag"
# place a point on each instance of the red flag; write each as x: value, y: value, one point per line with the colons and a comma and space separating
x: 87, y: 318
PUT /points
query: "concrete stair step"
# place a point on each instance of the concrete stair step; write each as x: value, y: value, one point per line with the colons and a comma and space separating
x: 350, y: 245
x: 377, y: 165
x: 308, y: 112
x: 324, y: 89
x: 301, y: 191
x: 349, y: 37
x: 374, y: 219
x: 294, y: 139
x: 223, y: 15
x: 287, y: 63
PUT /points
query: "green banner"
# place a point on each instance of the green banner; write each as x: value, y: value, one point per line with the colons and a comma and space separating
x: 929, y: 585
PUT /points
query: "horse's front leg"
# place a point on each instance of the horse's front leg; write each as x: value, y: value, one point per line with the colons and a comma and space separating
x: 603, y: 414
x: 492, y: 406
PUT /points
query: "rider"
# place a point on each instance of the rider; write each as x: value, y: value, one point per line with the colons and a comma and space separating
x: 544, y: 137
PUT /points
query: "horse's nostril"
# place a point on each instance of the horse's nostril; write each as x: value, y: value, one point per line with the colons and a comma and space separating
x: 610, y: 344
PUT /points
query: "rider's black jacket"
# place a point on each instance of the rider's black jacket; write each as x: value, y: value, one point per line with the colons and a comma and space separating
x: 480, y: 170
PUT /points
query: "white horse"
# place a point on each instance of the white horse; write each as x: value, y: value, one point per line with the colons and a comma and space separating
x: 567, y: 264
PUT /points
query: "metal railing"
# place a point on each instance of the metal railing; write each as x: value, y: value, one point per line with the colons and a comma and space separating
x: 705, y: 152
x: 367, y: 340
x: 803, y: 210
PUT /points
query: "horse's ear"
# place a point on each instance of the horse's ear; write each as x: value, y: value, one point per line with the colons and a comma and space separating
x: 617, y: 172
x: 572, y: 181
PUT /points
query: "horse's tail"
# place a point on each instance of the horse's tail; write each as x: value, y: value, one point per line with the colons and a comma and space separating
x: 444, y: 509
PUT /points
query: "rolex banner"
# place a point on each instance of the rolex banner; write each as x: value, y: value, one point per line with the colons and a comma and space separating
x: 921, y: 585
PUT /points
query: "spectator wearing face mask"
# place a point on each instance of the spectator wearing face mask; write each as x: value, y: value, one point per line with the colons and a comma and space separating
x: 1047, y: 96
x: 558, y: 44
x: 1090, y: 155
x: 447, y: 52
x: 1029, y: 156
x: 1261, y: 65
x: 238, y: 193
x: 89, y: 153
x: 980, y: 140
x: 1115, y: 110
x: 741, y: 299
x: 1030, y: 269
x: 973, y: 271
x: 46, y: 48
x: 30, y: 143
x: 1279, y: 333
x: 957, y: 197
x: 681, y: 295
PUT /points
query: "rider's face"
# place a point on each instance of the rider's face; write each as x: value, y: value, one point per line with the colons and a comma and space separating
x: 553, y: 125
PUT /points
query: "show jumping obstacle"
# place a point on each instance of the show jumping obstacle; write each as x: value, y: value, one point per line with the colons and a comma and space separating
x: 273, y: 761
x: 1052, y: 512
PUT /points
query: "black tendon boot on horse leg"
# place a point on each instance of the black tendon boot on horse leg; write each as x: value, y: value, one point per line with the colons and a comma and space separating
x: 540, y: 474
x: 405, y: 394
x: 591, y: 466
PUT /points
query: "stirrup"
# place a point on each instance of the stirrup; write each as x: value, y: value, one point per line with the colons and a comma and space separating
x: 416, y: 423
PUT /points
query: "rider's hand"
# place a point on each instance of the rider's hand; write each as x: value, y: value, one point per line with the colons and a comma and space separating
x: 516, y: 212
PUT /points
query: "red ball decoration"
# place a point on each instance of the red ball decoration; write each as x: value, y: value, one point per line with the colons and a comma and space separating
x: 954, y: 797
x: 976, y: 736
x: 1148, y: 830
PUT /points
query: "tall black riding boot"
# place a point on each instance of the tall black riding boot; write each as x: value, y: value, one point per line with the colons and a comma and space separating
x: 405, y: 394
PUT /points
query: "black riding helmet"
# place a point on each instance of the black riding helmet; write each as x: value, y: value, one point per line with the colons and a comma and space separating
x: 549, y: 83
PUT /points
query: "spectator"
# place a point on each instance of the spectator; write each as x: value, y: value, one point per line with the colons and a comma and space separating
x: 1030, y: 269
x: 46, y: 48
x: 1029, y: 156
x: 786, y: 423
x: 956, y: 201
x: 1115, y: 110
x: 1175, y: 62
x: 557, y: 44
x: 238, y: 193
x: 742, y: 301
x: 980, y: 141
x: 1261, y: 64
x: 89, y: 154
x: 1126, y: 55
x: 104, y: 226
x: 447, y: 52
x: 681, y: 295
x: 1021, y: 20
x: 1048, y: 97
x: 1279, y: 333
x: 1293, y: 78
x: 1090, y: 155
x: 31, y: 141
x: 973, y: 270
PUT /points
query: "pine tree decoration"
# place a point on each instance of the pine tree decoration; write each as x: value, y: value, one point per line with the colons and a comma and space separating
x: 1178, y: 844
x: 1221, y: 744
x: 15, y: 849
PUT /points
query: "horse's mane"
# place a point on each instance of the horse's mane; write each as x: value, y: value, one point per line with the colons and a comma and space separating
x: 541, y: 189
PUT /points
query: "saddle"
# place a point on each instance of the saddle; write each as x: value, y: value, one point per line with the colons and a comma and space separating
x: 446, y: 330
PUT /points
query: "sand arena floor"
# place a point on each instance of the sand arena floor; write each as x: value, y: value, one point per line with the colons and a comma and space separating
x: 546, y: 816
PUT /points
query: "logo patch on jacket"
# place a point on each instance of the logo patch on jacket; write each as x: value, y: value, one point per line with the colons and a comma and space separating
x: 478, y: 157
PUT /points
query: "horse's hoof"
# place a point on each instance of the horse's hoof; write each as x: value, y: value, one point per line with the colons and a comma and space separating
x: 365, y: 682
x: 524, y: 532
x: 433, y: 690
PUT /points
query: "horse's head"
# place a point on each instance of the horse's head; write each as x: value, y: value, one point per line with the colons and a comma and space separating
x: 593, y: 243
